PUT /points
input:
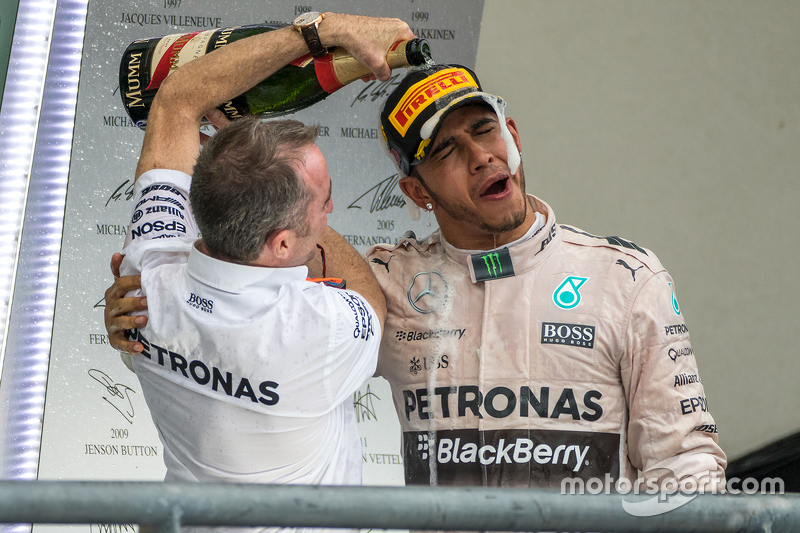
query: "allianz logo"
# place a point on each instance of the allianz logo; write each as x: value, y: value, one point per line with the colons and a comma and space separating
x: 520, y: 451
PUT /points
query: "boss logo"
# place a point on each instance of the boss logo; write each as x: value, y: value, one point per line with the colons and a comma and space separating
x: 568, y: 334
x: 200, y: 303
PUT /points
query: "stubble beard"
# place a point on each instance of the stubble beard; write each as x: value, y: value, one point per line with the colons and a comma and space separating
x: 462, y: 213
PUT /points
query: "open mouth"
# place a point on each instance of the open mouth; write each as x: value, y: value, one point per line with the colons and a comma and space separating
x: 497, y: 188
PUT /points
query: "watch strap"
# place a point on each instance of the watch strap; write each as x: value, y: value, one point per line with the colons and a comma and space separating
x: 307, y: 25
x: 311, y: 36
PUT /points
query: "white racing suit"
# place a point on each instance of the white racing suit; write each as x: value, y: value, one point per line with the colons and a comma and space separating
x: 563, y: 356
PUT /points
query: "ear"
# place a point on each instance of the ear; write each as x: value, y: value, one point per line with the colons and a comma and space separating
x: 414, y: 189
x: 512, y: 128
x: 280, y: 245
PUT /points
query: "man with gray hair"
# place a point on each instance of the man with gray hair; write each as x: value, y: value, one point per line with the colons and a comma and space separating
x: 247, y: 367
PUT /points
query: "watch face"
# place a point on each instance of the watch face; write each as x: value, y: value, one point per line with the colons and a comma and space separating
x: 306, y: 18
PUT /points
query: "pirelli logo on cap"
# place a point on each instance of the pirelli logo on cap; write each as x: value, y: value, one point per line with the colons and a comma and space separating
x: 420, y: 95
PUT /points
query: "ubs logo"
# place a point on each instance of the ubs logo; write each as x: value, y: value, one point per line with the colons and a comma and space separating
x: 428, y: 292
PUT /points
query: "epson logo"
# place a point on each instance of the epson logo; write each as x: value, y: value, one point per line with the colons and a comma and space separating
x: 691, y: 405
x: 200, y: 303
x: 578, y: 335
x: 157, y: 226
x: 520, y: 451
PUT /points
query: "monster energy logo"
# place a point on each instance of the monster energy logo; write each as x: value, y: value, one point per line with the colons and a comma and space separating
x: 492, y: 265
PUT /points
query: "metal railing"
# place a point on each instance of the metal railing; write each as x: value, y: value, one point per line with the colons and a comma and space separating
x: 167, y: 506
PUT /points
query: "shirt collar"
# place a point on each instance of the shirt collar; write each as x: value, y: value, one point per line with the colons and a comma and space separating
x: 236, y: 278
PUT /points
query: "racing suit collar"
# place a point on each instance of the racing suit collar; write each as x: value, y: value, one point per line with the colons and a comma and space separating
x: 525, y: 255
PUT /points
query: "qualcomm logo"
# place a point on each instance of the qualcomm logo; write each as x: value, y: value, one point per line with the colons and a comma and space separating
x: 567, y: 295
x: 675, y: 306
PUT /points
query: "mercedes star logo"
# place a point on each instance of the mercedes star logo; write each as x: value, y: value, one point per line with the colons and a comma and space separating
x: 427, y: 292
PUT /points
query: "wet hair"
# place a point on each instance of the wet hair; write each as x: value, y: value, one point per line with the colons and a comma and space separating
x: 245, y: 186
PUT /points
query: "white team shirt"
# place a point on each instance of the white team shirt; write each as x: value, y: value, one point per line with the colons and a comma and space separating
x: 249, y: 372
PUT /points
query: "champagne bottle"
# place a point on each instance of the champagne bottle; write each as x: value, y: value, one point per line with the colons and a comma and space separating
x: 305, y: 81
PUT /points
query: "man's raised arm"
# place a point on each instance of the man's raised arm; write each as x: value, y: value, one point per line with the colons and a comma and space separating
x: 171, y: 140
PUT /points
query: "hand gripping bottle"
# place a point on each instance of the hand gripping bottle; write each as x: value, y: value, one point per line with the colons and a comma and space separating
x: 305, y: 81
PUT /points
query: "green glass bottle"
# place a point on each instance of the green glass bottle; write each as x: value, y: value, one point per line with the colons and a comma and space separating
x: 304, y: 82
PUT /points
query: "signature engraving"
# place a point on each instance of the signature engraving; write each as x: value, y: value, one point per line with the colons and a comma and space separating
x: 118, y: 394
x: 383, y: 196
x: 365, y: 408
x: 101, y: 303
x: 118, y: 192
x: 375, y: 90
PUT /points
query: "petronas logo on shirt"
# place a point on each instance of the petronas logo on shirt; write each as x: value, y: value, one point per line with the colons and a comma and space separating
x: 567, y: 295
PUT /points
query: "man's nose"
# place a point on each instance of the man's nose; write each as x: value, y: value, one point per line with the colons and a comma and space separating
x: 479, y: 155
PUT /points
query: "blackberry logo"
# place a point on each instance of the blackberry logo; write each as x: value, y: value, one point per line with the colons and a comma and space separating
x: 430, y: 334
x: 422, y: 446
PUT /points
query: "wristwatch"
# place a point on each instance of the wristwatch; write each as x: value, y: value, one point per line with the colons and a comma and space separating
x: 307, y: 24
